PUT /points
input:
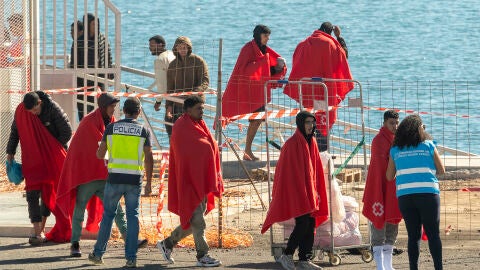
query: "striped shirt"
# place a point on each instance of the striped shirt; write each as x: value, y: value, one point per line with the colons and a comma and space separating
x: 415, y: 169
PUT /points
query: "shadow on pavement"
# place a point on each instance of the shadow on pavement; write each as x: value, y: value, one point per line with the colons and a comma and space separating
x: 263, y: 265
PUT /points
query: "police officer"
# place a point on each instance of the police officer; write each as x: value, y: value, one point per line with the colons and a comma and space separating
x: 129, y: 148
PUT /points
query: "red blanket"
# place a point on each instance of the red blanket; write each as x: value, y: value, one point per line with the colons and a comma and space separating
x: 320, y: 55
x: 42, y: 158
x: 380, y: 203
x: 299, y: 183
x: 194, y: 170
x: 82, y: 166
x: 245, y: 89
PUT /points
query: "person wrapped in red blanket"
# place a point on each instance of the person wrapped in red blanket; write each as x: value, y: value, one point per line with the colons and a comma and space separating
x: 321, y: 55
x: 83, y: 177
x: 299, y: 192
x: 380, y: 203
x: 43, y: 130
x: 194, y: 179
x: 256, y: 64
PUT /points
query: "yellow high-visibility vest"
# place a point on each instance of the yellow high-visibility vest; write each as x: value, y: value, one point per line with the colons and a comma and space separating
x: 125, y: 154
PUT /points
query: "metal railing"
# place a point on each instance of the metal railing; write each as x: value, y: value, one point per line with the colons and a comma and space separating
x: 53, y: 62
x: 54, y: 56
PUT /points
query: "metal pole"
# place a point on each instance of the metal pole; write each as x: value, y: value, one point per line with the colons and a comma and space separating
x: 363, y: 133
x: 218, y: 135
x: 245, y: 170
x: 35, y: 49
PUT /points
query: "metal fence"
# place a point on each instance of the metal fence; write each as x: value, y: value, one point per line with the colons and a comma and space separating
x: 14, y: 62
x: 450, y: 119
x: 448, y: 108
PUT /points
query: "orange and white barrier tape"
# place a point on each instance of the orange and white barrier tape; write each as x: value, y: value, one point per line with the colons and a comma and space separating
x: 84, y: 91
x: 140, y: 95
x: 161, y: 189
x: 249, y: 116
x: 271, y: 114
x: 79, y: 90
x: 294, y: 112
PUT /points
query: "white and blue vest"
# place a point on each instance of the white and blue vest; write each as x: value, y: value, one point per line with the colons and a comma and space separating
x: 415, y: 169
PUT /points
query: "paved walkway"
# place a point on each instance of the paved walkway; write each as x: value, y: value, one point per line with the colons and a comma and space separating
x: 16, y: 253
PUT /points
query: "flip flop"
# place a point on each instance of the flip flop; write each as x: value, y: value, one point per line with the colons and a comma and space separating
x: 250, y: 158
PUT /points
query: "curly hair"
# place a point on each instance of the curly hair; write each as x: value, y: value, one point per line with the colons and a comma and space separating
x: 410, y: 132
x: 192, y: 101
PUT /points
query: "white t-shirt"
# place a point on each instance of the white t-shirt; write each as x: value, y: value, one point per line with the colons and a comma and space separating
x: 161, y: 67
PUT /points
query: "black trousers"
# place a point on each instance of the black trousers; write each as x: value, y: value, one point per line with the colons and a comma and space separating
x: 177, y: 111
x: 36, y: 208
x: 83, y: 98
x: 302, y: 237
x: 417, y: 210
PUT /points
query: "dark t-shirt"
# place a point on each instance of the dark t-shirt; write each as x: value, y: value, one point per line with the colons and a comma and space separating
x: 129, y: 127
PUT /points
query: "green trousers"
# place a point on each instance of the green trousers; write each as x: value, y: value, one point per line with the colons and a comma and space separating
x: 197, y: 228
x: 84, y: 193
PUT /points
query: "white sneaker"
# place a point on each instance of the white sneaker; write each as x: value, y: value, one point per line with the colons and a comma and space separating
x: 287, y: 262
x: 207, y: 261
x: 166, y: 252
x: 307, y: 265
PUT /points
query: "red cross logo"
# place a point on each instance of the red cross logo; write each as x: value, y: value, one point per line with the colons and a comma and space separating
x: 377, y: 209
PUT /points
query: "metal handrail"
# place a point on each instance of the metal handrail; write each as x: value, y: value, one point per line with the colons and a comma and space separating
x: 211, y: 108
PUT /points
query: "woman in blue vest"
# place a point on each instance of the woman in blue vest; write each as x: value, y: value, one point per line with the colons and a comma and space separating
x: 415, y: 161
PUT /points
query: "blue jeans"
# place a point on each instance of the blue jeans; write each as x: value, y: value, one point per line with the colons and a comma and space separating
x: 111, y: 198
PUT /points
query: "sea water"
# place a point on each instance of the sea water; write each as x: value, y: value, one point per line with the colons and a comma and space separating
x: 387, y: 40
x: 416, y: 46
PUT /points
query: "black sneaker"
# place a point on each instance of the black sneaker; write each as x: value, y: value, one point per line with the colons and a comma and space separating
x: 94, y: 259
x: 142, y: 243
x: 75, y: 250
x: 131, y: 264
x: 37, y: 240
x: 31, y: 239
x: 397, y: 251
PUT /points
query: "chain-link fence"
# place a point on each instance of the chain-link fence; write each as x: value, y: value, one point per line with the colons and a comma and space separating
x: 447, y: 108
x: 14, y: 61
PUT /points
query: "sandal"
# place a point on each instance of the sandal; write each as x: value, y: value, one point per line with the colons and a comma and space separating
x: 250, y: 158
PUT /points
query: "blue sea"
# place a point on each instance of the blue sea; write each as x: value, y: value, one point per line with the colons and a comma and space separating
x: 387, y: 40
x: 420, y: 55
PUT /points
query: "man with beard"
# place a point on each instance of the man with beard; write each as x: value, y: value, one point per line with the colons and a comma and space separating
x: 194, y: 179
x: 164, y: 57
